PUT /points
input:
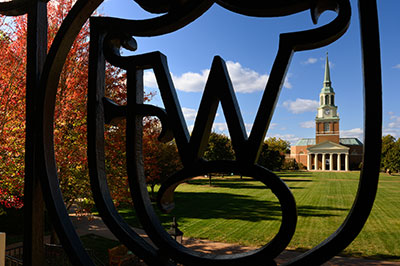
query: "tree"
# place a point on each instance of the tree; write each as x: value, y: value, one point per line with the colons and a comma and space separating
x: 388, y: 142
x: 70, y: 120
x: 273, y: 152
x: 12, y: 123
x: 390, y: 158
x: 219, y: 148
x: 160, y: 159
x: 70, y: 112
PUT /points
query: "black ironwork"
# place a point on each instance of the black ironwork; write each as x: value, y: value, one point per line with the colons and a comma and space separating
x: 14, y: 256
x: 175, y: 232
x: 107, y: 36
x: 12, y: 261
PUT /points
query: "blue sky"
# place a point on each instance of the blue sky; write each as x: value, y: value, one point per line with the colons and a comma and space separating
x: 249, y: 46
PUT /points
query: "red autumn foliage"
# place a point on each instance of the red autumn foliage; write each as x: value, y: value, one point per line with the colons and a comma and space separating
x: 70, y: 120
x: 12, y: 113
x: 161, y: 160
x: 70, y: 113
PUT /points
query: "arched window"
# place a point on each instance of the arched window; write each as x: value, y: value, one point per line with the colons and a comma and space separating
x: 326, y: 99
x: 326, y: 127
x: 332, y: 100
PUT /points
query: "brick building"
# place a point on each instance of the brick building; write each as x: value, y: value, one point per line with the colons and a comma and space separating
x: 327, y: 151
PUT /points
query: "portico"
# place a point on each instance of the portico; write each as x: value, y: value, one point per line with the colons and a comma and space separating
x: 327, y: 151
x: 328, y: 156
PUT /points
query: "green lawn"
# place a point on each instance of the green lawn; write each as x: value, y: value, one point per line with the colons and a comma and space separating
x: 246, y: 212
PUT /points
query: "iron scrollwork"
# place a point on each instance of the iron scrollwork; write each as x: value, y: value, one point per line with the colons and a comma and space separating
x: 107, y: 36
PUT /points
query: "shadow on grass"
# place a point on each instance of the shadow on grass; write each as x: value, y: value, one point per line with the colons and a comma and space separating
x: 318, y: 211
x: 208, y: 205
x: 236, y: 183
x: 296, y: 180
x: 294, y: 174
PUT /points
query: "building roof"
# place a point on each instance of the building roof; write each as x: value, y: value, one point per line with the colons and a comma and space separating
x: 343, y: 141
x: 305, y: 142
x: 350, y: 141
x: 328, y: 146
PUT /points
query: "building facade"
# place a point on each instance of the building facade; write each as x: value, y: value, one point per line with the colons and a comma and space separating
x: 327, y: 151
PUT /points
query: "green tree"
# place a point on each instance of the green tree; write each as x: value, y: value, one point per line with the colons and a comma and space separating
x: 388, y: 146
x: 273, y: 152
x: 278, y: 144
x: 390, y: 160
x: 219, y: 148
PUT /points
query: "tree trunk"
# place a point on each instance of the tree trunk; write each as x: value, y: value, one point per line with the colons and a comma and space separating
x: 152, y: 198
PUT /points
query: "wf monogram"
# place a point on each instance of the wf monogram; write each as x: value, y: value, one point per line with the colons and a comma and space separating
x: 218, y: 89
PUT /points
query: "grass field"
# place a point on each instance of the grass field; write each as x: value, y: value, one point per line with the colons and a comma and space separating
x: 246, y: 212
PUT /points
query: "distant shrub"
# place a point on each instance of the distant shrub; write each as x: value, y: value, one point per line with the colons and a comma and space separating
x: 301, y: 166
x: 290, y: 164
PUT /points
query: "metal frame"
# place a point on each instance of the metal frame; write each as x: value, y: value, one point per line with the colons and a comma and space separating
x: 108, y: 35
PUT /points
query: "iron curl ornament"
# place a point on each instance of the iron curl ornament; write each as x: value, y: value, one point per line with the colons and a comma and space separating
x: 107, y: 36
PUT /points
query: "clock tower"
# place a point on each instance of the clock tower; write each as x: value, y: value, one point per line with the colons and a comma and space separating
x: 327, y: 120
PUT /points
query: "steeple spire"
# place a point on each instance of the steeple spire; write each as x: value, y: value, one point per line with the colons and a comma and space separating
x: 327, y: 77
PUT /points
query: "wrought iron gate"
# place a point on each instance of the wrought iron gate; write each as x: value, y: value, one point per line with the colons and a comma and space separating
x: 107, y: 36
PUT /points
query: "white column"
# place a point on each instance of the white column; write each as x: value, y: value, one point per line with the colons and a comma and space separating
x: 338, y: 162
x: 346, y: 162
x: 309, y: 161
x: 2, y: 249
x: 331, y: 162
x: 316, y: 161
x: 323, y: 162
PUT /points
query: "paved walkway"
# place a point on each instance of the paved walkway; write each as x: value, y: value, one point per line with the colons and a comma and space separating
x: 94, y: 225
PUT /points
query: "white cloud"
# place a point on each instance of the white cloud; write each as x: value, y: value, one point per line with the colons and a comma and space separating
x: 352, y: 133
x: 191, y: 82
x: 395, y: 132
x: 287, y: 83
x: 150, y: 79
x: 307, y: 124
x: 223, y: 128
x: 393, y: 127
x: 272, y: 125
x: 244, y: 80
x: 396, y: 121
x: 188, y: 113
x: 220, y: 127
x: 310, y: 60
x: 301, y: 105
x: 288, y: 137
x: 396, y: 66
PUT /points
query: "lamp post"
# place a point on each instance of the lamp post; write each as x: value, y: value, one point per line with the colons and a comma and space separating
x: 175, y: 232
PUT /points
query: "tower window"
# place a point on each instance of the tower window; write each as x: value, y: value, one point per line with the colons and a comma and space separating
x: 332, y: 100
x: 326, y: 99
x: 326, y: 127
